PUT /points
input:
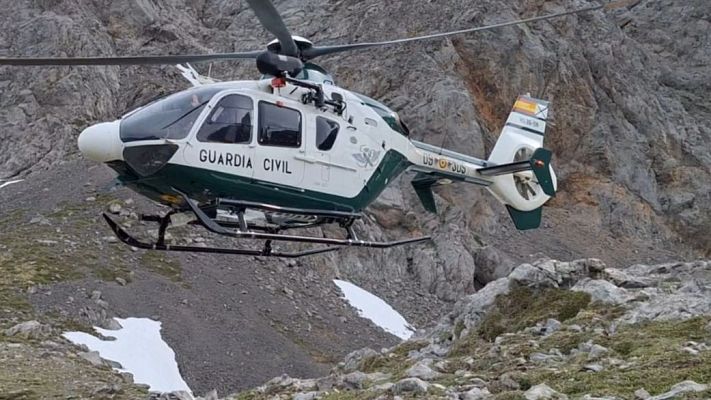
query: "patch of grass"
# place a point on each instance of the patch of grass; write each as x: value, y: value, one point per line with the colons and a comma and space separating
x: 405, y: 348
x: 516, y: 395
x: 524, y: 307
x: 657, y: 362
x: 458, y: 329
x: 162, y: 264
x: 394, y: 363
x: 351, y: 395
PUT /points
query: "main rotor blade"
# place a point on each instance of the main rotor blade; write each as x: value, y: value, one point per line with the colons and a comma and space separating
x: 130, y: 60
x: 271, y: 20
x: 323, y: 50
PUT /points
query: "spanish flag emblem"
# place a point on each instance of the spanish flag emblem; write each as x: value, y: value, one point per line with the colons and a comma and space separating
x: 525, y: 106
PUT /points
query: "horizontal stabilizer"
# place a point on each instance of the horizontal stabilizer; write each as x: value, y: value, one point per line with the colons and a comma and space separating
x: 422, y: 183
x: 525, y: 219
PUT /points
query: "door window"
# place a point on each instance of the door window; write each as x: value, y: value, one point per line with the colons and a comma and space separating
x: 229, y: 122
x: 326, y: 132
x: 279, y: 126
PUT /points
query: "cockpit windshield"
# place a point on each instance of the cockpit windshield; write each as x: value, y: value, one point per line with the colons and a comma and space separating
x: 168, y: 118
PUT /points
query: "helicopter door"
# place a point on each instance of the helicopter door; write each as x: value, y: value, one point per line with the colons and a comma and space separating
x: 321, y: 172
x: 224, y: 139
x: 278, y: 160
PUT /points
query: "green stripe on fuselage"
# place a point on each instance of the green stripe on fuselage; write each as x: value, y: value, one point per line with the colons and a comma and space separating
x: 204, y: 185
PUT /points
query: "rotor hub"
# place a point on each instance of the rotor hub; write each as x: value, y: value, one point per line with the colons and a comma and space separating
x: 301, y: 43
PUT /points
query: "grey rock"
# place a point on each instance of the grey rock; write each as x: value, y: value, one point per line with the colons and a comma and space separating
x: 211, y: 395
x: 383, y: 387
x: 176, y: 395
x: 353, y: 359
x: 603, y: 291
x: 307, y: 396
x: 625, y: 280
x: 680, y: 388
x: 354, y: 380
x: 593, y: 367
x: 107, y: 390
x: 114, y: 208
x: 508, y: 382
x: 552, y: 273
x: 689, y: 300
x: 410, y: 385
x: 551, y: 325
x: 477, y: 394
x: 542, y: 358
x: 121, y: 281
x: 641, y: 394
x: 543, y: 392
x: 30, y: 330
x: 590, y: 397
x: 422, y: 370
x: 597, y: 351
x: 473, y: 308
x: 491, y: 264
x: 93, y: 358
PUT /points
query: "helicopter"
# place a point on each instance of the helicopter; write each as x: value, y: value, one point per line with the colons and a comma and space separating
x: 254, y: 159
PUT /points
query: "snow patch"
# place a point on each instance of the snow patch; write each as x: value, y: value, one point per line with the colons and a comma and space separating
x: 375, y: 309
x: 2, y: 185
x: 140, y: 350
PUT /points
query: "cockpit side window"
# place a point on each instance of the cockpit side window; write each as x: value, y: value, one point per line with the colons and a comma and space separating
x: 326, y: 132
x: 229, y: 122
x: 279, y: 126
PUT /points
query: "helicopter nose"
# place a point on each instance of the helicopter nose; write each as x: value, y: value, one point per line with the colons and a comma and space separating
x: 101, y: 142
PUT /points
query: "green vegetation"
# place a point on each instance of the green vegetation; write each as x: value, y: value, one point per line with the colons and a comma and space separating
x: 163, y: 264
x: 524, y: 307
x: 394, y: 363
x: 653, y: 352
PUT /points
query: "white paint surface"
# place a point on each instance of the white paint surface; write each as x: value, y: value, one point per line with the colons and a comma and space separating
x: 2, y: 185
x: 140, y: 349
x: 375, y: 309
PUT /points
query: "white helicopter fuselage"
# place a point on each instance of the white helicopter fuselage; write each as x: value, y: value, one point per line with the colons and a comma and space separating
x: 283, y: 150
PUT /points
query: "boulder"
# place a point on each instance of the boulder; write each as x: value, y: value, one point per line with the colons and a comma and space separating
x: 353, y: 359
x: 477, y: 394
x: 29, y: 330
x: 410, y: 385
x: 307, y: 396
x: 422, y: 370
x: 680, y: 388
x: 603, y: 291
x: 543, y: 392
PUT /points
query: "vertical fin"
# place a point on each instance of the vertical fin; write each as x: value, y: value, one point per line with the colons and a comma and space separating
x: 422, y: 183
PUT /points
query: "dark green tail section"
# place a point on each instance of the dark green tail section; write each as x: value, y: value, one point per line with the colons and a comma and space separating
x: 526, y: 219
x: 423, y: 187
x: 540, y: 164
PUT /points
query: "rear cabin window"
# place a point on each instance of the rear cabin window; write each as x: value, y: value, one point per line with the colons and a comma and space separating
x: 279, y: 126
x: 229, y: 122
x: 326, y: 132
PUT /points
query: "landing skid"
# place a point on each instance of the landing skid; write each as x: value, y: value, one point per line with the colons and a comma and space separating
x: 243, y: 230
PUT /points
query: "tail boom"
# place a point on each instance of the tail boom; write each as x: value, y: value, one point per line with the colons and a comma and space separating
x: 518, y: 171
